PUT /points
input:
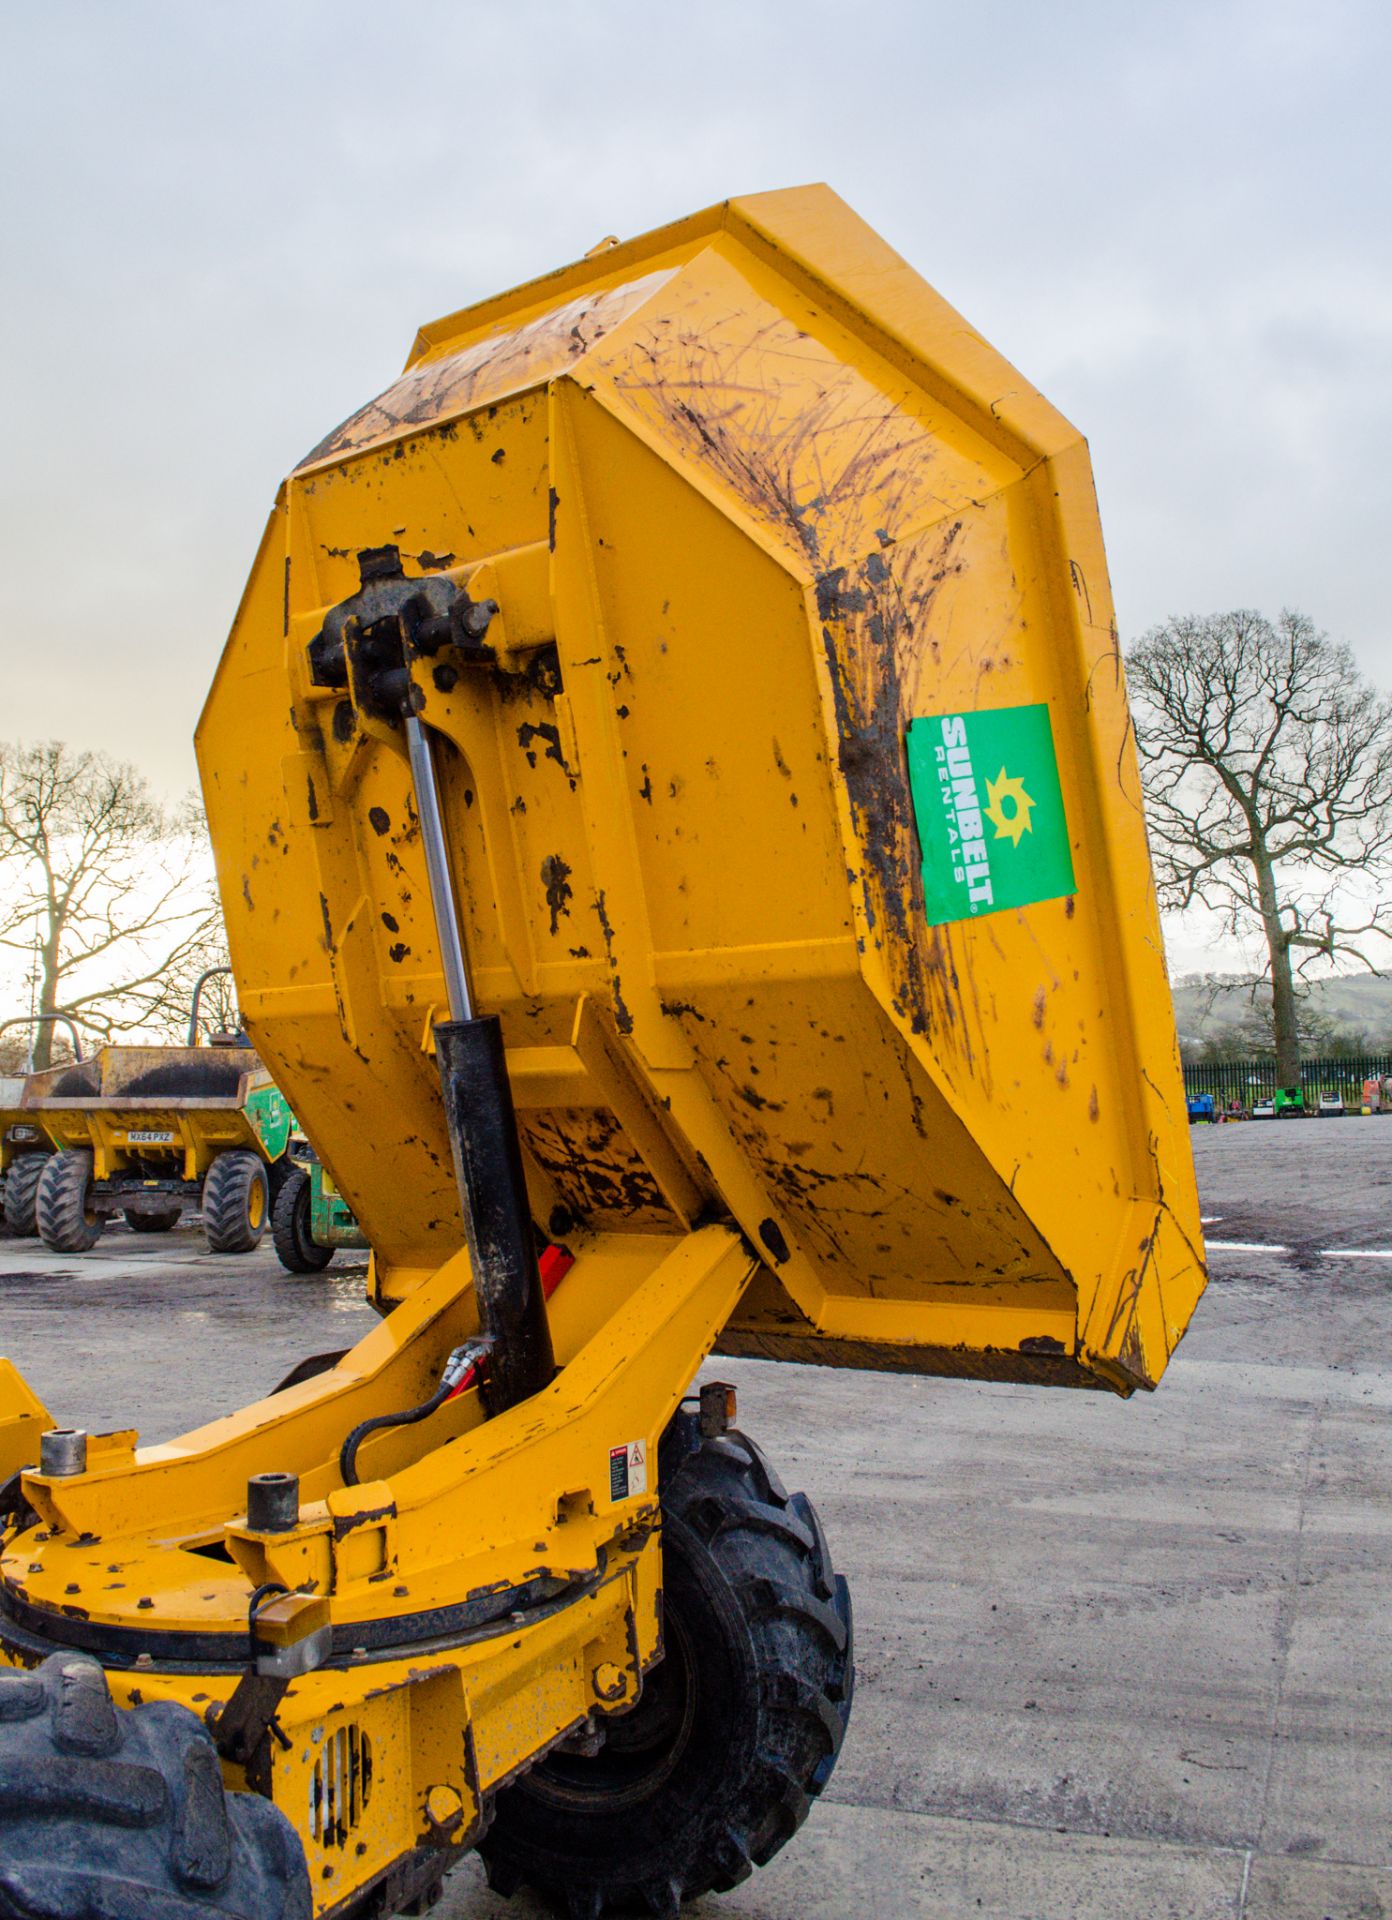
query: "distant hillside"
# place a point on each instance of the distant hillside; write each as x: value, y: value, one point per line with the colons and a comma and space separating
x: 1354, y: 1009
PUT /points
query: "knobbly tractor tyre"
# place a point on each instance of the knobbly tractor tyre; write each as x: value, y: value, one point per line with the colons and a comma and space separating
x: 152, y: 1222
x: 111, y: 1814
x: 65, y: 1220
x: 292, y: 1229
x: 236, y: 1202
x: 21, y: 1194
x: 738, y: 1726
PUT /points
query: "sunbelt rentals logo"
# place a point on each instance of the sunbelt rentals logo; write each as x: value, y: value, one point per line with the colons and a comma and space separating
x: 989, y: 811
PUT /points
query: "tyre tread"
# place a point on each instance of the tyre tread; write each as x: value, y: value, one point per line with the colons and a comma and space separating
x: 113, y: 1814
x: 60, y: 1203
x: 226, y: 1191
x: 22, y: 1192
x: 772, y: 1552
x: 295, y: 1249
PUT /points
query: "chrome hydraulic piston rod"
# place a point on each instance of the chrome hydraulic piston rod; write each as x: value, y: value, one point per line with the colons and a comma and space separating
x: 367, y: 645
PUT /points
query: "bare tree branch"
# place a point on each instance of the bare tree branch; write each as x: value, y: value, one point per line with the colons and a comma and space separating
x: 108, y: 893
x: 1267, y: 763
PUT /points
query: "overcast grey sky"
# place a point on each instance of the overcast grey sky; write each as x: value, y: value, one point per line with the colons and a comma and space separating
x: 223, y: 224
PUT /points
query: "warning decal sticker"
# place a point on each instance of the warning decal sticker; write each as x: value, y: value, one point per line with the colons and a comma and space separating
x: 989, y: 811
x: 628, y: 1470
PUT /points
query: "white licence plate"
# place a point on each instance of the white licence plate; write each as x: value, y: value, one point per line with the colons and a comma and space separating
x: 149, y: 1137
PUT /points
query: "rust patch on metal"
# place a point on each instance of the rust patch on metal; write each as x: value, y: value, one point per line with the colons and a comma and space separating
x: 623, y: 1018
x: 530, y: 732
x: 1131, y: 1358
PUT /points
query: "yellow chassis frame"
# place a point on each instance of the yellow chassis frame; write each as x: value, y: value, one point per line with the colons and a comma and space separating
x: 388, y: 1749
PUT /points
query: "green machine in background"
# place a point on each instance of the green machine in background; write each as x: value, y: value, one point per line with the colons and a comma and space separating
x: 311, y: 1220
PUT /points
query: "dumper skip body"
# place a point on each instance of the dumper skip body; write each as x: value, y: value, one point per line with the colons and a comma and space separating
x: 797, y: 823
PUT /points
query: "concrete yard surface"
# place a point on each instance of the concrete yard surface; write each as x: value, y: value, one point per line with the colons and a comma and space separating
x: 1114, y: 1659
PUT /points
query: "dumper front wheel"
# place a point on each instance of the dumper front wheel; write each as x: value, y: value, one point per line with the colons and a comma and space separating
x: 66, y: 1222
x: 122, y: 1814
x: 21, y: 1192
x: 236, y: 1202
x: 737, y: 1729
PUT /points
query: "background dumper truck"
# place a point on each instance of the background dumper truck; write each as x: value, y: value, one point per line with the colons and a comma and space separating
x: 148, y: 1131
x: 683, y: 856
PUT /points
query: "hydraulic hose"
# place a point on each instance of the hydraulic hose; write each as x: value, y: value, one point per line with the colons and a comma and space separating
x: 460, y: 1365
x: 462, y: 1370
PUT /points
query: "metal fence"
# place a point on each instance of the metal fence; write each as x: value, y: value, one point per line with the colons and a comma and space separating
x: 1248, y: 1081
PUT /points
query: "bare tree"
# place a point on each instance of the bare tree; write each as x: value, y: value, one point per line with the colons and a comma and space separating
x: 16, y: 1042
x: 1267, y: 762
x: 104, y: 892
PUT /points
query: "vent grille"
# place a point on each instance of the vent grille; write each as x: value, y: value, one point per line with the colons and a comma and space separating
x: 340, y: 1786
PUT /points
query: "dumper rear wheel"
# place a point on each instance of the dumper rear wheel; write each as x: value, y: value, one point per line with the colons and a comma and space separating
x: 236, y: 1202
x: 737, y: 1729
x: 292, y: 1228
x: 65, y: 1221
x: 123, y: 1814
x: 21, y: 1192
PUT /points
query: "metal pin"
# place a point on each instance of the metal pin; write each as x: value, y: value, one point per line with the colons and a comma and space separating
x: 63, y: 1452
x: 273, y: 1502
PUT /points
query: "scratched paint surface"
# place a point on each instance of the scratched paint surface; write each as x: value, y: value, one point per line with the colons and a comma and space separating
x: 780, y: 503
x: 486, y: 371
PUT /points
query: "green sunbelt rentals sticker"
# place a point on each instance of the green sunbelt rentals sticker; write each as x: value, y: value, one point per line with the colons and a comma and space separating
x: 989, y: 811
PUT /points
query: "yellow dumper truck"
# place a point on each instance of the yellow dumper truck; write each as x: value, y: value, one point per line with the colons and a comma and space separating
x: 147, y: 1131
x: 683, y: 860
